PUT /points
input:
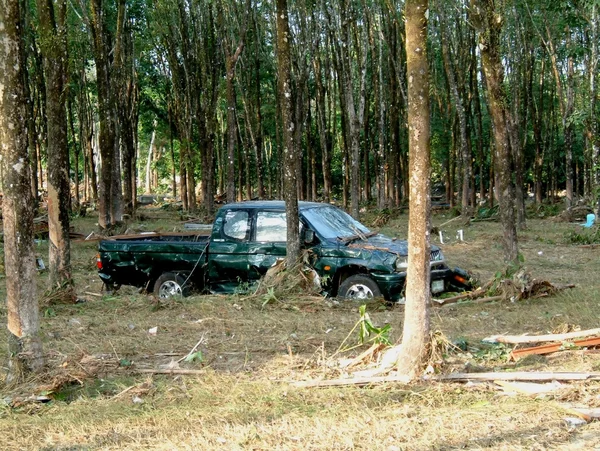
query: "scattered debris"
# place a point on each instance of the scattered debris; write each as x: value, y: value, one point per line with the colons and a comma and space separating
x: 520, y: 286
x: 517, y: 339
x: 529, y: 388
x: 553, y: 347
x: 153, y: 330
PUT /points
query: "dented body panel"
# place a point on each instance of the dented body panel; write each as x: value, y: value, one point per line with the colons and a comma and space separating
x: 248, y: 238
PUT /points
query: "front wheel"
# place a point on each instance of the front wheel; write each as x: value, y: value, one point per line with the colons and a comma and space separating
x: 359, y: 287
x: 169, y: 285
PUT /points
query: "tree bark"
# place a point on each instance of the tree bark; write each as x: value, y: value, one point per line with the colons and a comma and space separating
x: 290, y: 150
x: 53, y: 42
x: 488, y: 24
x: 24, y: 343
x: 415, y: 334
x: 109, y: 196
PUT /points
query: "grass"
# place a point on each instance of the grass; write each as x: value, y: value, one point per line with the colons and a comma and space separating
x: 242, y: 399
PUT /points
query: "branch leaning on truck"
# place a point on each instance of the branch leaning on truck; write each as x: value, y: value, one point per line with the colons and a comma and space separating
x: 248, y: 238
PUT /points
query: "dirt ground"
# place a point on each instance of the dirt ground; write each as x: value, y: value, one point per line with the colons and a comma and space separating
x: 103, y: 390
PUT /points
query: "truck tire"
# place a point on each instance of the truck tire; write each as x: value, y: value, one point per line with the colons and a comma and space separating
x: 170, y: 284
x: 359, y: 287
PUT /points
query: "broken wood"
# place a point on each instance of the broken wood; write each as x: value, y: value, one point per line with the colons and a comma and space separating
x: 363, y: 356
x: 351, y: 381
x: 529, y: 388
x: 518, y: 376
x: 517, y: 339
x: 166, y: 371
x: 470, y: 295
x: 454, y: 377
x: 553, y: 347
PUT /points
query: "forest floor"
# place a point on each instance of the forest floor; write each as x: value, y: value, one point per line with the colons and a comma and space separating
x: 102, y: 390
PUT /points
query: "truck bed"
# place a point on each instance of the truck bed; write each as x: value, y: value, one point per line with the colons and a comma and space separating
x: 140, y: 259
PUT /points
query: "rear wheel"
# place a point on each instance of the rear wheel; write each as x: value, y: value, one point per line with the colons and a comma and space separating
x: 359, y: 287
x: 170, y: 285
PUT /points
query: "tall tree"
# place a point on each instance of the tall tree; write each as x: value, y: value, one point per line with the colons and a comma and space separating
x: 53, y: 44
x: 415, y: 335
x: 290, y: 146
x: 110, y: 201
x: 489, y: 24
x: 24, y: 343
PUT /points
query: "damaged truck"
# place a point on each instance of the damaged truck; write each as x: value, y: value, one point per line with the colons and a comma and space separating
x: 248, y: 238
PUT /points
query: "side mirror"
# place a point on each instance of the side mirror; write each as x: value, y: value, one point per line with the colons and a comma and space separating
x: 309, y: 236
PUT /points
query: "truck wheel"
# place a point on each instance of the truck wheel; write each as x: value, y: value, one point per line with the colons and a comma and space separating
x: 359, y: 287
x: 169, y: 285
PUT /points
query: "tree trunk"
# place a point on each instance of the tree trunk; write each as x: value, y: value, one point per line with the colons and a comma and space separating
x: 24, y: 343
x: 487, y: 23
x: 415, y: 334
x: 290, y: 150
x: 54, y: 50
x: 148, y: 182
x: 109, y: 199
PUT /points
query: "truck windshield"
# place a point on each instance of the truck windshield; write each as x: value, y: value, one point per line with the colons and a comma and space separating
x: 331, y: 222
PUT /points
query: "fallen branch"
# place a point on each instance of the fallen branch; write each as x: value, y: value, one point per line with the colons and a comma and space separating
x: 517, y: 339
x: 470, y: 295
x: 363, y: 356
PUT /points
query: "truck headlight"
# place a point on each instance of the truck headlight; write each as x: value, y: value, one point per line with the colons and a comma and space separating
x: 401, y: 264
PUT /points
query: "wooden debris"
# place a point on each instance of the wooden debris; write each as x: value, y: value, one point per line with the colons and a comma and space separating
x: 529, y: 388
x: 364, y: 356
x: 517, y: 339
x: 518, y: 376
x: 553, y: 347
x: 351, y: 381
x: 587, y: 414
x: 167, y: 371
x: 454, y: 377
x: 464, y: 296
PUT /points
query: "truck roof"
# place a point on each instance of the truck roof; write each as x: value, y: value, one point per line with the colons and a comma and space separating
x: 272, y: 204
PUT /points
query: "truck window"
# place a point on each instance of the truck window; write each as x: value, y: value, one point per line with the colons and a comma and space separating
x: 236, y: 224
x: 271, y: 226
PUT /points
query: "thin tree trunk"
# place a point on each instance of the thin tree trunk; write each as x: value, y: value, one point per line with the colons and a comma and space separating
x: 415, y: 333
x: 54, y: 50
x: 290, y: 148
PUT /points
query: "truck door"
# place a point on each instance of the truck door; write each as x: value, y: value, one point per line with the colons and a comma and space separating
x: 268, y: 245
x: 228, y: 255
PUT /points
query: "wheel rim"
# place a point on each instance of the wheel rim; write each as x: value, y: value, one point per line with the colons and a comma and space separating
x: 359, y: 291
x: 169, y: 289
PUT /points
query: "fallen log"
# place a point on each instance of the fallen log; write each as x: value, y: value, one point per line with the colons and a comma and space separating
x: 518, y: 339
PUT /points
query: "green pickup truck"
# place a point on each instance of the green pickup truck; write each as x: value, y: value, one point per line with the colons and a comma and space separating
x: 248, y: 238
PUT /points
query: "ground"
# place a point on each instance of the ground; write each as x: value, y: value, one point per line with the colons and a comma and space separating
x: 247, y: 352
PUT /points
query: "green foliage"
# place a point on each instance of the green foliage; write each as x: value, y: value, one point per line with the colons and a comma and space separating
x: 583, y: 236
x: 493, y: 353
x: 368, y: 332
x: 194, y: 357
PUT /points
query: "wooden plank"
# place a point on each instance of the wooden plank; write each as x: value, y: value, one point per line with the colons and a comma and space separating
x: 519, y: 376
x: 517, y: 339
x: 553, y: 347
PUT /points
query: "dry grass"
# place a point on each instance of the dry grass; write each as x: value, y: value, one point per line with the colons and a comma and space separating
x: 241, y: 399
